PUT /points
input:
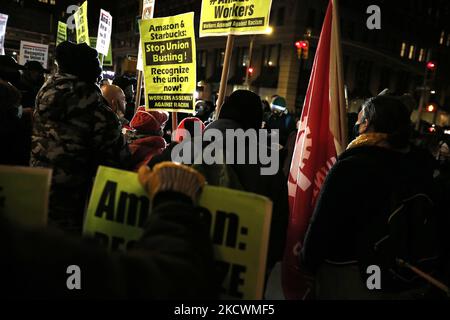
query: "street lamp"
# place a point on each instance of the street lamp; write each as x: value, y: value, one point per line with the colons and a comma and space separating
x: 269, y: 31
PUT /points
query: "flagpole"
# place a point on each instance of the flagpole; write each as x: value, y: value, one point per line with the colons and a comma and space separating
x: 139, y: 75
x: 225, y: 73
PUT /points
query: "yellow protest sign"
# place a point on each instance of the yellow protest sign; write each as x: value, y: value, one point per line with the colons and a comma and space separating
x: 81, y: 24
x: 61, y: 36
x: 169, y: 59
x: 223, y: 17
x: 24, y: 194
x: 239, y: 223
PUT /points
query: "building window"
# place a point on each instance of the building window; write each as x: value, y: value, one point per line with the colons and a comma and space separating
x: 220, y: 56
x: 280, y: 17
x: 271, y: 55
x: 412, y: 52
x: 402, y: 50
x: 422, y: 55
x: 243, y: 57
x: 201, y: 58
x: 441, y: 40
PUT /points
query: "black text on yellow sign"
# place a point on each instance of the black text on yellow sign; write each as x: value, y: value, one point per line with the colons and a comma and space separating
x: 169, y: 62
x: 239, y: 228
x: 222, y: 17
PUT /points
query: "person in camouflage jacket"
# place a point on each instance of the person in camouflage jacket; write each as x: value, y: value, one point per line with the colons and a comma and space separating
x: 74, y: 132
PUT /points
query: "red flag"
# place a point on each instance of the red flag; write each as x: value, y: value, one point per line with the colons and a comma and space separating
x: 322, y: 135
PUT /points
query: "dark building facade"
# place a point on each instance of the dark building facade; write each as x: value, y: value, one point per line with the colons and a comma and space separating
x: 412, y: 33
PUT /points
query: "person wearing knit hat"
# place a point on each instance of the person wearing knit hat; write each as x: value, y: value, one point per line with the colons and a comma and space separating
x: 243, y: 107
x: 145, y: 136
x: 243, y: 111
x: 188, y: 126
x: 74, y: 131
x: 79, y: 60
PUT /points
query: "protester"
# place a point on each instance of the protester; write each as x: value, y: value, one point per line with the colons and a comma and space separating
x: 280, y: 119
x: 127, y: 84
x: 31, y: 82
x: 116, y: 100
x: 145, y: 136
x: 186, y: 129
x: 15, y: 127
x: 374, y: 184
x: 172, y: 260
x: 74, y: 132
x: 9, y: 70
x: 203, y: 110
x: 242, y: 110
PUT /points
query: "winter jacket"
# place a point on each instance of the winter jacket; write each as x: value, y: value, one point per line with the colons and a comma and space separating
x: 248, y: 177
x: 74, y: 132
x: 16, y: 140
x: 355, y: 197
x: 144, y: 149
x: 285, y: 123
x: 172, y: 260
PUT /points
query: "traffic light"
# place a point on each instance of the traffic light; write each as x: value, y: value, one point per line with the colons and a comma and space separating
x: 302, y: 49
x: 431, y: 65
x: 431, y: 108
x: 250, y: 71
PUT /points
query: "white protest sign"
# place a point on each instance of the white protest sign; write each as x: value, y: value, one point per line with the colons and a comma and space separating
x: 148, y: 9
x: 104, y: 32
x: 3, y: 21
x: 30, y: 51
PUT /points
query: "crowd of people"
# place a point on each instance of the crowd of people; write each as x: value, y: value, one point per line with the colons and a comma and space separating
x: 73, y: 122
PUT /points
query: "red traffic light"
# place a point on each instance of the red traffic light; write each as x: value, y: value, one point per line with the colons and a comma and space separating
x: 431, y: 65
x: 301, y: 44
x: 431, y: 108
x: 250, y: 70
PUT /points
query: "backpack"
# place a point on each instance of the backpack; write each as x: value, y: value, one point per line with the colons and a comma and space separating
x: 410, y: 235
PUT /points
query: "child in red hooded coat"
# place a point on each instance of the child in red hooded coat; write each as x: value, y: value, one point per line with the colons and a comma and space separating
x: 145, y: 137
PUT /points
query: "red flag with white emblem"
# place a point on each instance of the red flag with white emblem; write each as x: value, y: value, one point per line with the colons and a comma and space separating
x: 321, y: 137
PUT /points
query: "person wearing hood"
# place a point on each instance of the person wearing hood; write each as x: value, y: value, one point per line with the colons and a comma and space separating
x: 242, y: 110
x: 145, y: 137
x: 74, y: 132
x: 371, y: 182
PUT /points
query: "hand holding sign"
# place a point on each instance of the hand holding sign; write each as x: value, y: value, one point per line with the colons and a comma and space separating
x: 169, y: 176
x: 239, y: 224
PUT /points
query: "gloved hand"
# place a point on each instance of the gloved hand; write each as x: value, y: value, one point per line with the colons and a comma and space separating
x: 171, y: 177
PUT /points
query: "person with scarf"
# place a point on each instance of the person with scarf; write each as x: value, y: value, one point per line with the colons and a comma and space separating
x: 355, y: 203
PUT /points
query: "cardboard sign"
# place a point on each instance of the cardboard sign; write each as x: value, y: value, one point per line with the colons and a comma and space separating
x: 3, y: 22
x: 30, y: 51
x: 61, y: 36
x: 81, y: 23
x: 24, y: 194
x: 239, y: 224
x: 168, y: 46
x: 104, y: 32
x: 223, y: 17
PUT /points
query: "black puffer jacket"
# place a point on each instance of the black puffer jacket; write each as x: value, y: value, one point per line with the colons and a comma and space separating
x: 173, y: 260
